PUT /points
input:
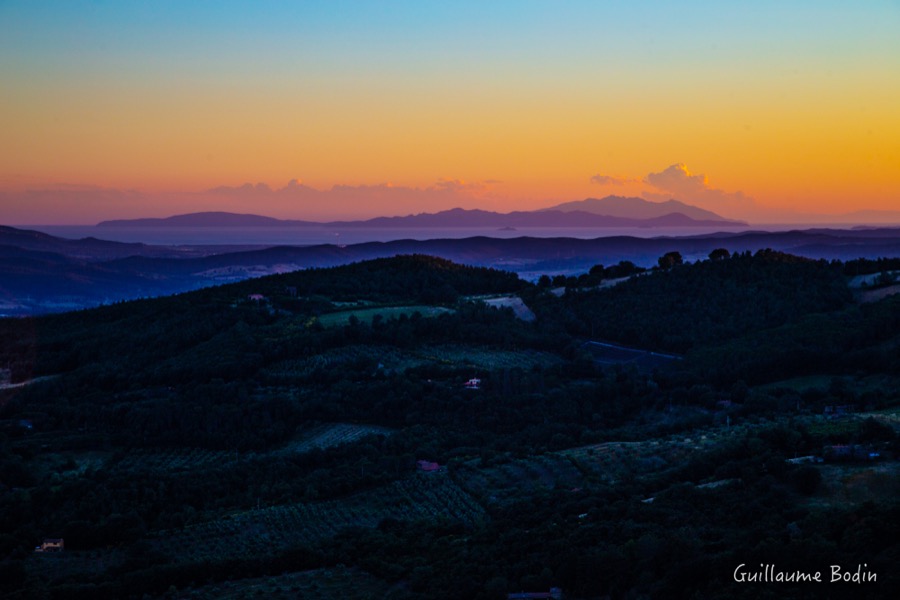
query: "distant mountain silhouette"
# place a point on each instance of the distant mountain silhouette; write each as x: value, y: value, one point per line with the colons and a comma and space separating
x: 636, y: 208
x: 459, y: 217
x: 92, y: 249
x: 88, y: 248
x: 456, y: 217
x: 206, y: 219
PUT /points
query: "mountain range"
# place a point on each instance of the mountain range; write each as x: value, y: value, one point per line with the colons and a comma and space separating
x: 612, y: 211
x: 42, y: 273
x: 636, y: 208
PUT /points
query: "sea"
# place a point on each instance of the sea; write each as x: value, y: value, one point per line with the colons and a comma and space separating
x: 310, y: 236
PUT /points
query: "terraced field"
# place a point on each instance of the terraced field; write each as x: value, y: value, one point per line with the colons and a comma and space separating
x: 424, y: 496
x: 329, y: 435
x: 611, y: 461
x: 516, y: 477
x: 585, y: 466
x: 176, y: 459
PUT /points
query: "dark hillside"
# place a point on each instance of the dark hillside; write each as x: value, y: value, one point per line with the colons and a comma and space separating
x: 679, y: 308
x: 858, y: 339
x: 373, y: 431
x: 157, y: 330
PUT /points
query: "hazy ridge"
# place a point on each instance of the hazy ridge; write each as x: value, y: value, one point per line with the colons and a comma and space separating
x: 41, y: 273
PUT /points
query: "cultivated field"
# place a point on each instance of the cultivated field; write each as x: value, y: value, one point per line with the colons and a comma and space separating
x: 392, y: 358
x: 177, y: 459
x: 341, y: 318
x: 328, y: 435
x: 266, y: 531
x: 518, y: 477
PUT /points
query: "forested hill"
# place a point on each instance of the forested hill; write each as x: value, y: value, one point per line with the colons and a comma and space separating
x: 681, y: 307
x: 414, y: 278
x: 143, y: 331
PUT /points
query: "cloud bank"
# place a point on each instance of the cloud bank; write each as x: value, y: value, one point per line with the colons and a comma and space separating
x: 85, y: 205
x: 613, y: 180
x: 679, y: 183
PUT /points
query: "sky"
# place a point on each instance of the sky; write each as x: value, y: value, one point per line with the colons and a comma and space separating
x: 767, y: 111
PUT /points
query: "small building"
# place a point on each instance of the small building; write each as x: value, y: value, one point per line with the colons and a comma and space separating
x: 256, y: 298
x: 473, y: 384
x: 427, y: 466
x: 51, y: 545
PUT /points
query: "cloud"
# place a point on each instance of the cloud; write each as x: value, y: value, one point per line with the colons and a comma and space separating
x: 678, y: 182
x: 613, y: 180
x: 460, y: 186
x: 247, y: 189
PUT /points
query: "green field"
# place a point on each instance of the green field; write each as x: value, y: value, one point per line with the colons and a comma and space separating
x: 365, y: 315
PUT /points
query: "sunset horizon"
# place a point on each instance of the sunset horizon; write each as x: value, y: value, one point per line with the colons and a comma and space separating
x: 766, y: 113
x: 66, y: 204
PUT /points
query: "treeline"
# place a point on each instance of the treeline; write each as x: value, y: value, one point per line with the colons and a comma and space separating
x: 413, y: 278
x: 681, y: 307
x: 858, y: 339
x: 867, y: 266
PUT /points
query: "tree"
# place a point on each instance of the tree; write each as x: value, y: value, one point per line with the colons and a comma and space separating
x: 623, y: 269
x: 670, y: 259
x: 719, y: 254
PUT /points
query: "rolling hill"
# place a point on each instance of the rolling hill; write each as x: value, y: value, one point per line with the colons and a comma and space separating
x: 45, y: 273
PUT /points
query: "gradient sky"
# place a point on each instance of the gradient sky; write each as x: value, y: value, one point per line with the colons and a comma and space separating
x: 744, y: 108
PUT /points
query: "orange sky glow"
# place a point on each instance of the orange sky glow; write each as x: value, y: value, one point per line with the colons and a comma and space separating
x: 765, y: 113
